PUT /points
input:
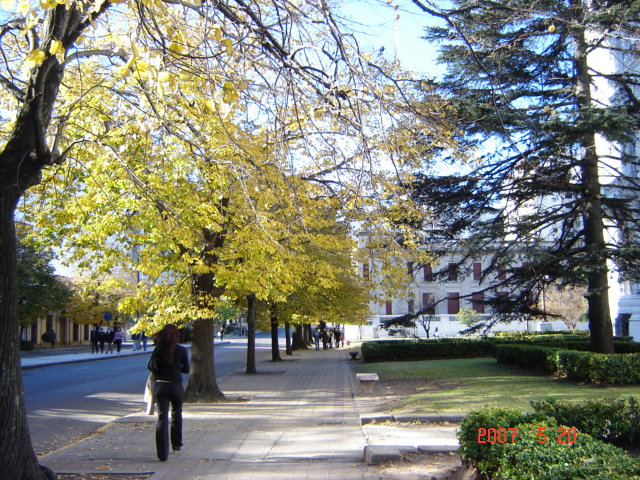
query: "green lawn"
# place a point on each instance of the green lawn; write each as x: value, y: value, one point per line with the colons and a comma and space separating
x: 463, y: 385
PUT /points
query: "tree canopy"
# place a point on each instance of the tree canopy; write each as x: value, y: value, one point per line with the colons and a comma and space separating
x: 39, y: 290
x: 546, y: 97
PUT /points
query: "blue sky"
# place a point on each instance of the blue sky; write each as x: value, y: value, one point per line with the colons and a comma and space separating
x: 399, y: 35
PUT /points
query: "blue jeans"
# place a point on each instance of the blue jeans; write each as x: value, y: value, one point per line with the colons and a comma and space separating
x: 168, y: 393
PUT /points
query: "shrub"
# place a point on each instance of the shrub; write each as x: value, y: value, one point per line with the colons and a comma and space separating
x: 384, y: 351
x: 526, y: 457
x: 615, y: 369
x: 527, y: 356
x: 26, y: 345
x: 614, y: 421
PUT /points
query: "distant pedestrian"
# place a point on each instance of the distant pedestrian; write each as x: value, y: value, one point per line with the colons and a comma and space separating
x: 118, y: 338
x: 109, y: 336
x: 52, y: 338
x: 136, y: 341
x: 143, y: 337
x: 325, y: 339
x: 316, y: 338
x: 337, y: 334
x: 168, y: 361
x: 95, y: 339
x: 221, y: 334
x: 102, y: 339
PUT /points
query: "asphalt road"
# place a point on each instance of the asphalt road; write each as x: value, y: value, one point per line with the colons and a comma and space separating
x: 68, y: 402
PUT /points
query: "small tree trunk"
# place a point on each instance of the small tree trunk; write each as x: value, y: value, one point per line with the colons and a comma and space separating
x: 308, y: 335
x: 275, y: 348
x: 251, y: 334
x: 298, y: 342
x: 287, y: 331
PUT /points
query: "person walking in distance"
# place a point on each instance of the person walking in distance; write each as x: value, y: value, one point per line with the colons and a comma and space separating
x: 95, y: 335
x: 136, y: 341
x: 316, y: 338
x: 118, y: 338
x: 168, y: 361
x: 110, y: 336
x: 102, y: 338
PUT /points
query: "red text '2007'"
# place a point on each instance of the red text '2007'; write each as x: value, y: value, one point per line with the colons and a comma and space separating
x: 508, y: 435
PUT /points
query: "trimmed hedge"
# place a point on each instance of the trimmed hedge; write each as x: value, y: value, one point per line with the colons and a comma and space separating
x: 525, y: 456
x: 582, y: 366
x: 527, y: 356
x: 614, y: 421
x: 556, y: 354
x: 385, y: 351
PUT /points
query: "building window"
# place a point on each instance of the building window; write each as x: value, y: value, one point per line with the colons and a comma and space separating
x: 502, y: 304
x: 87, y: 334
x: 477, y: 302
x: 452, y: 271
x: 76, y: 332
x: 388, y: 309
x: 365, y: 271
x: 410, y: 307
x: 477, y: 271
x: 453, y: 303
x: 428, y: 305
x: 428, y: 273
x: 502, y: 272
x: 410, y: 269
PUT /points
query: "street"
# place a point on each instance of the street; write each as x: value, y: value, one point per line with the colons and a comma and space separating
x: 70, y: 401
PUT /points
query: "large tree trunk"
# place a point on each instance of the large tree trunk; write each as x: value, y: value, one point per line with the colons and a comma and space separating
x: 600, y: 326
x: 17, y: 461
x: 251, y: 334
x: 202, y: 387
x: 24, y: 155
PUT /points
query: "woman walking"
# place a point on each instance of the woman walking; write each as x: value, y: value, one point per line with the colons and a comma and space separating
x: 168, y: 361
x: 118, y: 338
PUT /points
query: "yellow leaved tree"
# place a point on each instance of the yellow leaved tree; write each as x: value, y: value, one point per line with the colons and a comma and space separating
x: 166, y: 120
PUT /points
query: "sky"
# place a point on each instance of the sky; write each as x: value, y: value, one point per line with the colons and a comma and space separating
x: 397, y: 30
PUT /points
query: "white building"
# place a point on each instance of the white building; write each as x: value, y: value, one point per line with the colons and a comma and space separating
x: 624, y: 296
x: 463, y: 286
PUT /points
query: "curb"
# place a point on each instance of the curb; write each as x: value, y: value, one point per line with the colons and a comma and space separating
x: 381, y: 454
x: 82, y: 360
x: 444, y: 418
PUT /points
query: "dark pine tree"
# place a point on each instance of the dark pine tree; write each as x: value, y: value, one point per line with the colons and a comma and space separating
x: 525, y: 83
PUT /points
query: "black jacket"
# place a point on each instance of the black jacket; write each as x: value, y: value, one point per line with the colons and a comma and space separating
x: 171, y: 371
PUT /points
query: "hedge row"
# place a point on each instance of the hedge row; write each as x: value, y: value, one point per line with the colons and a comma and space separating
x: 546, y: 333
x: 570, y: 342
x: 536, y: 453
x: 614, y: 421
x: 424, y: 349
x: 395, y: 350
x: 576, y: 365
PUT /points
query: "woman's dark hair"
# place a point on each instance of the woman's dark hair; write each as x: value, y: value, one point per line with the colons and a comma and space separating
x: 166, y: 341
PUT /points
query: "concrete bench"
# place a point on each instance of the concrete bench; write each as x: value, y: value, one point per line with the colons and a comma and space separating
x: 367, y: 380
